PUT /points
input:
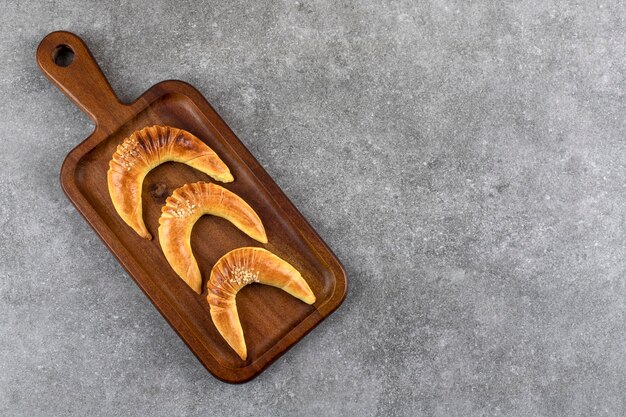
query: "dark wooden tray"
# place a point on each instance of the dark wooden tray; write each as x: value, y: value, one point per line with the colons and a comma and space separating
x: 272, y: 320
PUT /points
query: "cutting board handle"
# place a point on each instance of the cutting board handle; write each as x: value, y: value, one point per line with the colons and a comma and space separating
x: 67, y: 62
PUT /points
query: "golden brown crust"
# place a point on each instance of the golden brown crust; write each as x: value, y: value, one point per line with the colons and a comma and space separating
x: 181, y: 211
x: 145, y: 149
x: 239, y: 268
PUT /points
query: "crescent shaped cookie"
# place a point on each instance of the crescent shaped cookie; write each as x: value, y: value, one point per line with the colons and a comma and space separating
x: 181, y: 211
x: 239, y: 268
x: 145, y: 149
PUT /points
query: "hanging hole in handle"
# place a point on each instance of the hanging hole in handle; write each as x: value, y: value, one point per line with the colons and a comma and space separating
x: 63, y: 55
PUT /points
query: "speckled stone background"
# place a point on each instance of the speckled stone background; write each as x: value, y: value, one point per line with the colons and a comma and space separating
x: 465, y: 160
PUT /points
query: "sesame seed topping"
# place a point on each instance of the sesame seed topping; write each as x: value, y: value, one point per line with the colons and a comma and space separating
x: 242, y: 276
x: 128, y: 153
x: 184, y: 208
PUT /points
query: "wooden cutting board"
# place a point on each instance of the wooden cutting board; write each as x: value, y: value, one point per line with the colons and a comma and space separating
x: 271, y: 319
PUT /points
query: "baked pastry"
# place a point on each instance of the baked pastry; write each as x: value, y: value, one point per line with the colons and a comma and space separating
x: 239, y: 268
x: 181, y: 211
x: 144, y: 150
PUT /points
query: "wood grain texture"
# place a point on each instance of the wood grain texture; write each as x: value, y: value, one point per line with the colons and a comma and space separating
x: 272, y: 320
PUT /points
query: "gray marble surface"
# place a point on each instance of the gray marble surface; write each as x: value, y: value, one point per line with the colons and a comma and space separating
x: 465, y: 160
